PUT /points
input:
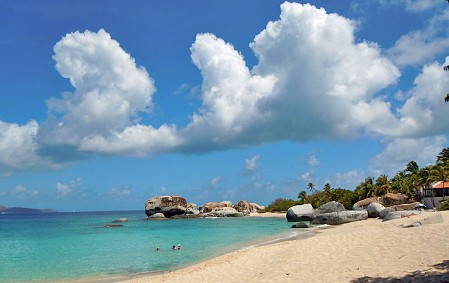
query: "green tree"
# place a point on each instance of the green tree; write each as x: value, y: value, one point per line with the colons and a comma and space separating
x: 303, y: 197
x: 443, y: 156
x: 280, y: 205
x: 439, y: 172
x: 366, y: 188
x: 346, y: 197
x: 382, y: 186
x: 412, y: 180
x: 327, y: 190
x: 311, y: 187
x: 398, y: 182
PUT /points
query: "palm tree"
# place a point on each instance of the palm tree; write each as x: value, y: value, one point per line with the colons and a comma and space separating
x: 366, y: 188
x: 411, y: 167
x: 443, y: 156
x: 311, y: 187
x: 383, y: 185
x: 439, y: 172
x: 425, y: 180
x: 398, y: 182
x: 328, y: 190
x: 303, y: 198
x: 412, y: 183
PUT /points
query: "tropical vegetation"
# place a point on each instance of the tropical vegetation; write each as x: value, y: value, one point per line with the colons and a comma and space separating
x: 409, y: 181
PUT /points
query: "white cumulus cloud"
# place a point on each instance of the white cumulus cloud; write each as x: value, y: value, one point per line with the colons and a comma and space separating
x: 324, y: 77
x: 400, y: 151
x: 251, y: 164
x: 63, y: 189
x: 102, y: 114
x: 414, y: 5
x: 18, y: 148
x: 420, y: 46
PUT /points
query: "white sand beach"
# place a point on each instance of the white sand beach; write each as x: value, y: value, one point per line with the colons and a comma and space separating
x: 364, y: 251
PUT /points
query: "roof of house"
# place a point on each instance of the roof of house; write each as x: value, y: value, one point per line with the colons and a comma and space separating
x: 441, y: 185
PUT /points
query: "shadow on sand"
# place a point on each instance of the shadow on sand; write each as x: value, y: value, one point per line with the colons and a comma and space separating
x: 436, y: 273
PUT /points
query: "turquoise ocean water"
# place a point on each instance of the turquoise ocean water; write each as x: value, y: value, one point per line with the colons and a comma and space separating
x: 64, y: 246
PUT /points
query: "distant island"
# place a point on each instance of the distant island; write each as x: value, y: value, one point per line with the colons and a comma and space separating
x: 23, y: 210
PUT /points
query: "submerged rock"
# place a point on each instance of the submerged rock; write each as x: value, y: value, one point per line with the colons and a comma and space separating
x: 156, y: 216
x: 120, y: 220
x: 168, y: 205
x: 302, y: 212
x: 301, y: 225
x: 113, y: 225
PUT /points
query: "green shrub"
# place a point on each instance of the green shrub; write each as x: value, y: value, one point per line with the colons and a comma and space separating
x: 444, y: 205
x: 279, y: 205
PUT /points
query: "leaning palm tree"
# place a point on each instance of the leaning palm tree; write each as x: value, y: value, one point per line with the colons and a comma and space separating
x: 443, y: 156
x: 303, y: 197
x: 411, y: 168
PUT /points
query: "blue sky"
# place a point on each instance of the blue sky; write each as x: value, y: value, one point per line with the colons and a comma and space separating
x: 108, y: 103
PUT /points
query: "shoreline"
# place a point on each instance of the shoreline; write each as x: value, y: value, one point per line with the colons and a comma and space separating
x: 262, y: 241
x: 269, y: 214
x: 362, y: 251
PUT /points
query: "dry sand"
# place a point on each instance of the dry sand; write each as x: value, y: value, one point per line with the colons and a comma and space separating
x: 364, y: 251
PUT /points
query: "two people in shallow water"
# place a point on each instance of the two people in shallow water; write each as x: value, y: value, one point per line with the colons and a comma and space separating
x: 174, y: 248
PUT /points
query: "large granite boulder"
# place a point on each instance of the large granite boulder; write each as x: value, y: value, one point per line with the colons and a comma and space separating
x: 341, y: 217
x: 375, y: 210
x: 256, y: 207
x: 226, y: 212
x: 328, y: 207
x: 400, y: 214
x: 394, y: 198
x: 227, y: 202
x: 301, y: 212
x: 363, y: 204
x: 192, y: 209
x: 244, y: 207
x: 405, y: 206
x: 168, y: 205
x: 210, y: 206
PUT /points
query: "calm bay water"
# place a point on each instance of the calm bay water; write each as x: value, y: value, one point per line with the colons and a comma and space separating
x: 58, y: 246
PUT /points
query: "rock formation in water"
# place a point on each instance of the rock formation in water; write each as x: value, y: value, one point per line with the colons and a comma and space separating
x: 167, y: 205
x: 211, y: 206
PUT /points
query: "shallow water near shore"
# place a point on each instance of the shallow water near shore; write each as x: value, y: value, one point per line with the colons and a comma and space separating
x: 65, y: 246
